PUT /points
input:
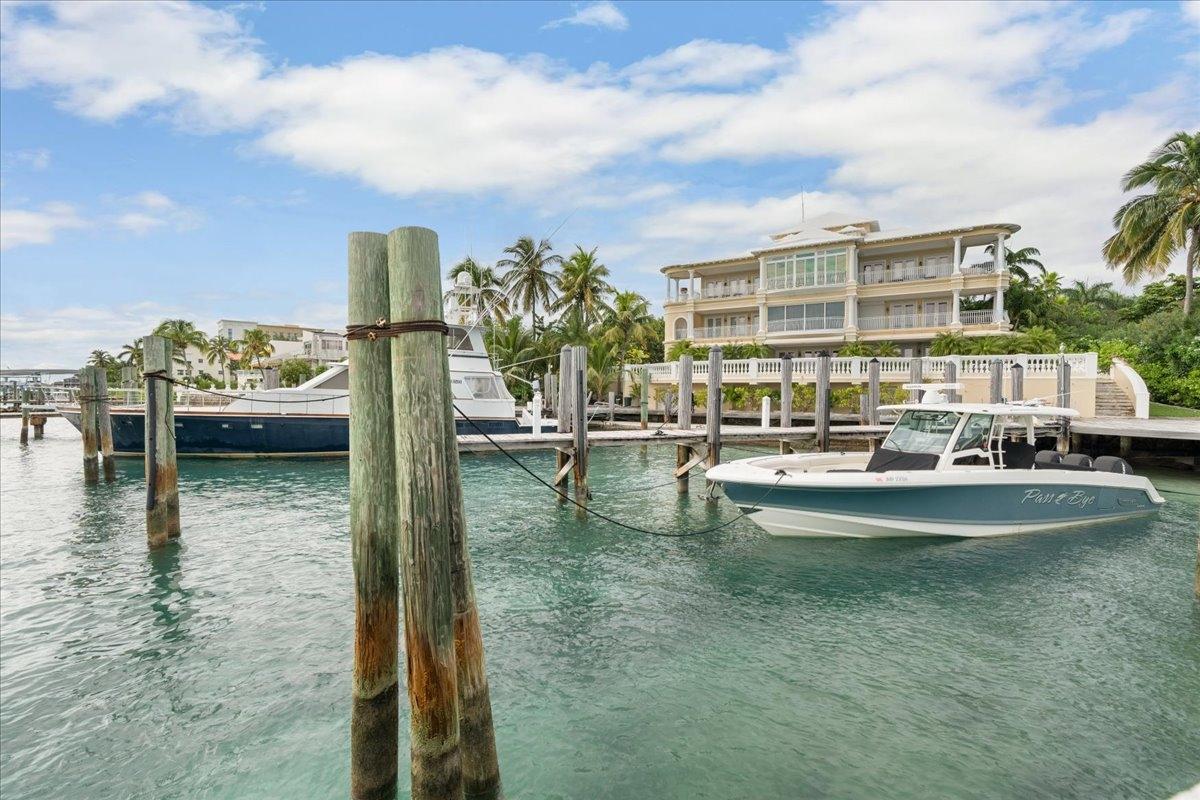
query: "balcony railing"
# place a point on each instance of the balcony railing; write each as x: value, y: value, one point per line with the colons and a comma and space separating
x: 806, y: 281
x: 723, y: 332
x: 981, y: 268
x: 807, y: 324
x: 907, y: 272
x: 984, y: 317
x: 716, y: 293
x: 901, y: 321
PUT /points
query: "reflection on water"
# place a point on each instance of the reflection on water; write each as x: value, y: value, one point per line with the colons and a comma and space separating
x: 622, y: 666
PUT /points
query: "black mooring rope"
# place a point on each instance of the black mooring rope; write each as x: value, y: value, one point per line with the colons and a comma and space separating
x: 781, y: 475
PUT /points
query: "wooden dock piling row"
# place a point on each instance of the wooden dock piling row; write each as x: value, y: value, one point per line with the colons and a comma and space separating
x: 374, y: 531
x: 916, y: 374
x: 162, y: 474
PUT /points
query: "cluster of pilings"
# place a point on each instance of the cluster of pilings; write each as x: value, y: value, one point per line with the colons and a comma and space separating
x: 408, y: 535
x: 30, y: 418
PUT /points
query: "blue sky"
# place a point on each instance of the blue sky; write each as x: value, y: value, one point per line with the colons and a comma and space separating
x: 208, y: 160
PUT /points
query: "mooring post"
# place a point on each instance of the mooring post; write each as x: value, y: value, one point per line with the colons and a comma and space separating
x: 552, y: 394
x: 645, y: 399
x: 480, y: 764
x: 766, y: 411
x: 104, y: 423
x: 24, y: 416
x: 951, y: 377
x: 1016, y: 380
x: 580, y: 469
x: 566, y: 380
x: 88, y: 427
x: 374, y: 529
x: 785, y: 392
x: 162, y: 474
x: 562, y: 458
x: 683, y: 418
x: 916, y: 374
x: 38, y: 421
x: 612, y: 401
x: 822, y: 402
x: 536, y: 411
x: 873, y: 370
x: 1064, y: 401
x: 996, y: 385
x: 419, y: 373
x: 712, y: 418
x: 683, y: 454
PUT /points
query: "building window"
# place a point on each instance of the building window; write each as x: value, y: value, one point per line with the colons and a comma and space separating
x: 796, y: 270
x: 681, y: 328
x: 806, y: 317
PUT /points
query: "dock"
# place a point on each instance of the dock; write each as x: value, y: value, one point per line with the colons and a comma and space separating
x: 1175, y: 428
x: 745, y: 434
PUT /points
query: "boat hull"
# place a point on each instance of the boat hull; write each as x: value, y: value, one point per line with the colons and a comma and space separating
x: 980, y: 509
x: 231, y: 435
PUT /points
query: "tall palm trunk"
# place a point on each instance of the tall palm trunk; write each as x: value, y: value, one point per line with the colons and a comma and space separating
x: 1189, y: 284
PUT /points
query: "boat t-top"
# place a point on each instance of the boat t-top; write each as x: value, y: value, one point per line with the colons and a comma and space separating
x: 945, y: 469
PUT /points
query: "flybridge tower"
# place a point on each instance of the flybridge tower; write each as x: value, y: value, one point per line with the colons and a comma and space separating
x: 463, y: 307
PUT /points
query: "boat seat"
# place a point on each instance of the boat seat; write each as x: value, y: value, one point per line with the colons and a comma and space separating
x: 1047, y: 459
x: 884, y: 460
x: 1077, y: 461
x: 1018, y: 455
x: 1112, y: 464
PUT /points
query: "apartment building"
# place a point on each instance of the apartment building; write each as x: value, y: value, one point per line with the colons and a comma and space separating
x: 840, y: 278
x: 291, y: 341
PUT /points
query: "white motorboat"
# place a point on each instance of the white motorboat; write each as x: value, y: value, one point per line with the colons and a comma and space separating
x: 945, y: 469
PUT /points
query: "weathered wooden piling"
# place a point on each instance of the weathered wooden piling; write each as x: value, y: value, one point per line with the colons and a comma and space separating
x: 785, y: 392
x: 1016, y: 383
x: 162, y: 474
x: 916, y: 374
x: 374, y: 530
x: 566, y: 381
x: 712, y: 417
x: 612, y: 404
x: 418, y: 358
x: 1063, y: 401
x: 822, y: 402
x: 24, y: 416
x: 38, y: 421
x: 88, y: 428
x: 873, y: 389
x: 552, y: 393
x: 645, y: 398
x: 562, y: 472
x: 579, y: 395
x: 480, y: 763
x: 996, y: 380
x: 683, y: 419
x: 104, y: 423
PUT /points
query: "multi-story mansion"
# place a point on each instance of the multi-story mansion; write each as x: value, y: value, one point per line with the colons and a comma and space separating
x: 840, y: 278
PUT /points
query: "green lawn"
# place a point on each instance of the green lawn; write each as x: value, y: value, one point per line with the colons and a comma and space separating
x: 1164, y: 410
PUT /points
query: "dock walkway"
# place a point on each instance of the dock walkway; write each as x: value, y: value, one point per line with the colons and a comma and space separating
x: 1157, y: 428
x: 670, y: 433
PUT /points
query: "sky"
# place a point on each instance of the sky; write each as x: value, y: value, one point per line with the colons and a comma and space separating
x: 207, y: 160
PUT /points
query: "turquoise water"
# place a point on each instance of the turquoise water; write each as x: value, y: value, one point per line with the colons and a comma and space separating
x: 622, y: 666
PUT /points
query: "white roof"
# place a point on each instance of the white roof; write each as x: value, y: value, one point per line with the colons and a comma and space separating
x: 998, y: 409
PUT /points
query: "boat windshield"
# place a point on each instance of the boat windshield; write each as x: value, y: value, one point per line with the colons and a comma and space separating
x: 922, y: 432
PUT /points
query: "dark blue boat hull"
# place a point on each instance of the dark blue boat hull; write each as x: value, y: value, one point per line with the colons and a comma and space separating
x: 232, y: 435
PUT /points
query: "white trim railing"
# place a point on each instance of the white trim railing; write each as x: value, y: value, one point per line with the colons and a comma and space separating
x: 723, y: 331
x: 905, y: 273
x: 854, y: 369
x: 807, y: 324
x: 902, y: 321
x: 980, y: 268
x: 984, y: 316
x: 778, y: 284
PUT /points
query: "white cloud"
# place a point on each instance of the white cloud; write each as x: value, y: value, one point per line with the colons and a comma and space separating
x: 63, y: 337
x: 1191, y: 11
x: 702, y: 62
x: 36, y: 158
x: 596, y: 15
x: 20, y: 226
x: 149, y: 210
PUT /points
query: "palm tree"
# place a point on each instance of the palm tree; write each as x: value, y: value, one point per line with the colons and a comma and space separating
x: 102, y: 359
x: 131, y: 354
x: 182, y: 334
x: 256, y: 346
x: 1051, y: 284
x: 571, y: 328
x: 1152, y: 228
x: 218, y: 350
x: 490, y: 297
x: 602, y: 366
x: 1019, y: 262
x: 628, y: 321
x: 513, y: 350
x: 949, y: 343
x: 583, y: 284
x: 1093, y: 294
x: 1037, y: 340
x: 884, y: 349
x: 529, y: 275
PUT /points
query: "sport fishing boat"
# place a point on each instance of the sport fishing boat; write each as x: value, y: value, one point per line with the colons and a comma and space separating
x: 313, y: 419
x: 945, y: 469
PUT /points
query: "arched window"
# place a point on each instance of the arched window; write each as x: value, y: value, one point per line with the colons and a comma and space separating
x: 680, y: 328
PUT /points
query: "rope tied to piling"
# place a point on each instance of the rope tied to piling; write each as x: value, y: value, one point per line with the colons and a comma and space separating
x: 382, y: 329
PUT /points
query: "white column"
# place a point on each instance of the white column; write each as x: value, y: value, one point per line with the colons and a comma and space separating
x: 954, y: 303
x: 957, y: 255
x: 692, y: 283
x: 762, y: 273
x: 691, y: 326
x: 998, y: 304
x: 852, y: 265
x: 668, y: 288
x: 762, y: 319
x: 998, y: 257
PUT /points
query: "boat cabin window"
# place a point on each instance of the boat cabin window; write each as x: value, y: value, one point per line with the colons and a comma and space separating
x: 975, y: 433
x: 922, y: 432
x: 485, y: 387
x: 459, y: 338
x: 340, y: 379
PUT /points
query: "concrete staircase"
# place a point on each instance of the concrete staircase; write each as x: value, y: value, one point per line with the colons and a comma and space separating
x: 1110, y: 400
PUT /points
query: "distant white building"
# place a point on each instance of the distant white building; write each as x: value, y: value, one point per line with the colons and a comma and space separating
x: 317, y: 345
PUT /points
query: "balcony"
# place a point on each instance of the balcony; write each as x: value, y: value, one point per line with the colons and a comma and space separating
x: 805, y: 281
x: 723, y: 332
x: 982, y: 268
x: 903, y: 321
x: 720, y: 292
x: 807, y: 324
x: 984, y: 317
x: 902, y: 273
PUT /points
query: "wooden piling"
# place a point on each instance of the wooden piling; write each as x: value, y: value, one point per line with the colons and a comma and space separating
x: 418, y: 360
x: 104, y: 424
x: 480, y: 763
x: 612, y: 403
x: 785, y: 392
x: 579, y: 395
x: 683, y: 420
x: 996, y: 384
x: 162, y: 474
x: 951, y: 377
x: 712, y: 418
x: 683, y: 454
x: 562, y: 460
x: 24, y: 416
x: 873, y: 389
x: 38, y: 421
x: 552, y: 393
x: 916, y: 374
x: 1016, y: 383
x: 1064, y: 401
x: 566, y: 381
x: 645, y: 398
x: 822, y: 403
x: 374, y: 530
x: 87, y: 425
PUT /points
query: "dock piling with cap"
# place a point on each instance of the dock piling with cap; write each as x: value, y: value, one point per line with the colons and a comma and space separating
x: 712, y: 414
x: 104, y: 423
x: 916, y: 374
x: 24, y: 416
x: 951, y: 377
x: 1063, y: 400
x: 162, y: 474
x: 873, y: 389
x: 821, y: 408
x: 996, y: 381
x: 1016, y: 383
x: 785, y: 392
x: 88, y: 427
